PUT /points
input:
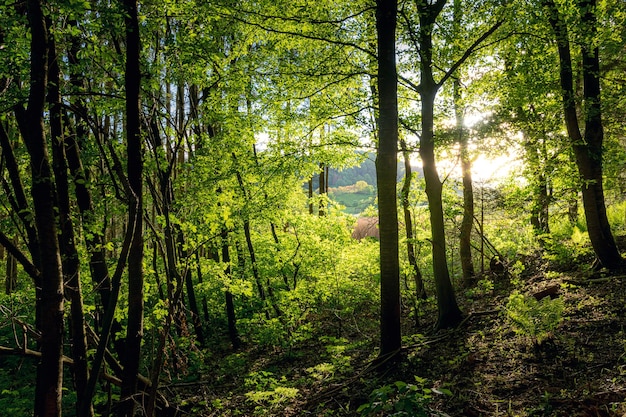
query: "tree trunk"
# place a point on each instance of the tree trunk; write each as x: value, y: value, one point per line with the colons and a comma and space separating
x: 248, y: 236
x: 386, y: 173
x: 11, y: 271
x: 191, y: 295
x: 322, y: 190
x: 572, y: 209
x: 543, y: 198
x: 230, y: 304
x: 449, y: 313
x: 465, y: 236
x: 311, y: 195
x: 67, y: 240
x: 80, y: 176
x: 588, y: 147
x: 420, y: 292
x: 134, y: 330
x: 205, y: 305
x: 50, y: 369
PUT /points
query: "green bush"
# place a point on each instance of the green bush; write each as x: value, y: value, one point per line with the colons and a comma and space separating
x: 401, y: 400
x: 532, y: 318
x: 268, y: 392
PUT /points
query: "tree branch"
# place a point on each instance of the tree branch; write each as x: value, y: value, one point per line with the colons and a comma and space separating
x: 408, y: 83
x: 470, y: 51
x: 300, y: 20
x: 302, y: 35
x: 19, y: 256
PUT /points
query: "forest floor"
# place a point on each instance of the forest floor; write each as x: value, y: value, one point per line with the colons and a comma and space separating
x: 482, y: 368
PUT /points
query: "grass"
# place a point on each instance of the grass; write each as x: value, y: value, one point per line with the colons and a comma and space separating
x: 354, y: 203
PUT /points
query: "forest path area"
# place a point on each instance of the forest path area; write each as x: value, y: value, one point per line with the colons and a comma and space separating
x: 487, y: 366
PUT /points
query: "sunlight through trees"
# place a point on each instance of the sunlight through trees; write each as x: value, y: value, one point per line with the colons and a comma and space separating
x: 284, y: 208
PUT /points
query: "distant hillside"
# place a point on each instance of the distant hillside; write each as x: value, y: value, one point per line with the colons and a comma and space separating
x: 364, y: 172
x: 355, y: 188
x: 355, y: 198
x: 349, y: 176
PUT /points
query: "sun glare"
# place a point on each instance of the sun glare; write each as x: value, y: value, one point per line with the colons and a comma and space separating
x: 485, y: 169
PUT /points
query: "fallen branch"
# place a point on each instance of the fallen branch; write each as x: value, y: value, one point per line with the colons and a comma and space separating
x: 477, y: 314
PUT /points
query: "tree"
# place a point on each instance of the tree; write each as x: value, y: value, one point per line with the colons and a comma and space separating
x: 50, y: 369
x: 587, y: 145
x: 449, y: 312
x: 386, y: 173
x: 67, y: 239
x: 467, y: 222
x: 420, y: 291
x: 420, y: 31
x: 134, y: 328
x: 530, y: 104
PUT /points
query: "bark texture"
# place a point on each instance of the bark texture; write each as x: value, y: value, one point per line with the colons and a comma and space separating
x: 50, y: 302
x: 134, y: 330
x: 386, y: 173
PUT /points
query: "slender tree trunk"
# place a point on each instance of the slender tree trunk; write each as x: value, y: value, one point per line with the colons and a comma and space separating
x: 69, y: 253
x: 539, y: 186
x: 230, y: 304
x: 465, y: 236
x: 544, y: 204
x: 322, y: 190
x: 255, y: 268
x: 420, y: 292
x: 50, y: 369
x: 205, y: 306
x: 449, y: 313
x: 10, y: 282
x: 311, y: 195
x: 81, y: 179
x: 134, y: 330
x: 572, y: 209
x: 191, y: 295
x: 386, y: 174
x: 248, y: 236
x: 588, y: 147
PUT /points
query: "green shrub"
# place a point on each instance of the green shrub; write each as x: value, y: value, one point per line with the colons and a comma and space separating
x: 532, y: 318
x: 401, y: 400
x: 268, y: 392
